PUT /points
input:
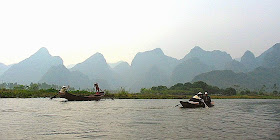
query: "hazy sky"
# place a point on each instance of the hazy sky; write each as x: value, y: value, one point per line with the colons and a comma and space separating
x: 77, y: 29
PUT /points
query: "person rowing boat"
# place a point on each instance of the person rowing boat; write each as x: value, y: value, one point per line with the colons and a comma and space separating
x: 207, y: 99
x: 197, y: 101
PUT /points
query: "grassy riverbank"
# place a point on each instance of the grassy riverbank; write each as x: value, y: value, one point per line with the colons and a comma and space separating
x: 245, y: 97
x: 153, y: 96
x: 177, y: 91
x: 11, y: 93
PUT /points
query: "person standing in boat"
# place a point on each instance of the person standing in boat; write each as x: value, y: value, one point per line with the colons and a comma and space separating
x: 96, y: 88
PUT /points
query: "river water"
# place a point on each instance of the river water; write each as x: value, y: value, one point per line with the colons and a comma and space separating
x: 42, y: 118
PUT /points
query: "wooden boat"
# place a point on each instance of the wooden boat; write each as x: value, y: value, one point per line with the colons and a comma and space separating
x: 190, y: 104
x: 71, y: 97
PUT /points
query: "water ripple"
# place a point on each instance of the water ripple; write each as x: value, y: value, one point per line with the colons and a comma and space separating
x: 138, y: 119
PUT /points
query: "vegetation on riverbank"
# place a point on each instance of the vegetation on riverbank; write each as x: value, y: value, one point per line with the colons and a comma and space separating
x: 178, y: 91
x: 153, y: 96
x: 10, y: 93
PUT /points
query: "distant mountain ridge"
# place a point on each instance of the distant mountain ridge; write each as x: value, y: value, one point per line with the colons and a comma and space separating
x: 271, y: 57
x: 98, y: 70
x: 199, y: 61
x: 249, y: 61
x: 145, y: 63
x: 263, y: 70
x: 3, y: 68
x: 31, y: 69
x: 236, y: 66
x: 60, y: 75
x: 187, y: 70
x: 113, y: 65
x: 215, y: 58
x: 149, y: 68
x: 94, y: 67
x: 254, y: 80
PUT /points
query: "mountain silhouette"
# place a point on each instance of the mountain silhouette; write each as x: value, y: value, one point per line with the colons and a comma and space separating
x: 266, y: 73
x: 271, y: 57
x: 199, y: 61
x: 94, y: 67
x: 150, y: 68
x: 249, y: 61
x: 113, y: 65
x: 187, y: 70
x: 3, y: 68
x: 60, y: 75
x: 215, y: 58
x: 122, y: 68
x: 147, y: 62
x: 122, y: 72
x: 236, y: 66
x: 254, y: 80
x: 98, y: 70
x: 31, y: 69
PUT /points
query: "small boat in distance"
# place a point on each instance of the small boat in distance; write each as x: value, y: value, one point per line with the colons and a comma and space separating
x: 198, y: 100
x: 190, y: 104
x: 63, y: 93
x: 71, y: 97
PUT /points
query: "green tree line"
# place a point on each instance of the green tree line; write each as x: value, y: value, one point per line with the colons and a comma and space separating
x: 200, y: 86
x: 179, y: 90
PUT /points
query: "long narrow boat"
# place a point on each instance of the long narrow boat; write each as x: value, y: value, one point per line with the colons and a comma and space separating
x: 71, y: 97
x: 190, y: 104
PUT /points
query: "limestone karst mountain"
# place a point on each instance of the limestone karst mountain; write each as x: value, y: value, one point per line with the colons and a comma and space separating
x: 199, y: 61
x: 148, y: 69
x: 264, y: 71
x: 187, y: 70
x: 271, y: 57
x: 31, y: 69
x: 254, y: 80
x: 236, y: 66
x: 249, y: 61
x: 98, y: 70
x: 145, y: 63
x: 60, y: 75
x: 215, y: 58
x: 3, y: 68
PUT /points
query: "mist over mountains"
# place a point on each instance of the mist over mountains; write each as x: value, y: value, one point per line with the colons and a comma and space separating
x: 254, y: 73
x: 3, y: 68
x: 148, y: 69
x: 31, y: 69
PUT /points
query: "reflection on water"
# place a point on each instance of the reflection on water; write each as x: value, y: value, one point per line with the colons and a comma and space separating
x: 43, y: 118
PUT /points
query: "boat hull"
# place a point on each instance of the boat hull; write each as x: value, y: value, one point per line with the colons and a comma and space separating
x: 194, y: 105
x: 71, y: 97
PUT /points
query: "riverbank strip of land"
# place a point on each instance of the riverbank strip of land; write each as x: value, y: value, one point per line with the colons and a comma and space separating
x: 124, y: 95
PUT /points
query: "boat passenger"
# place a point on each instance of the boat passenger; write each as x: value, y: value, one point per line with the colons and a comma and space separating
x: 96, y: 88
x: 197, y: 97
x: 63, y: 89
x: 200, y: 95
x: 207, y: 99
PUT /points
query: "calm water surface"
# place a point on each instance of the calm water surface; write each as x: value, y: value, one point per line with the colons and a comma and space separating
x: 42, y: 118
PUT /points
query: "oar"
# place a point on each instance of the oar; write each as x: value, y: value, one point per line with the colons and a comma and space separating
x: 206, y: 106
x: 53, y: 97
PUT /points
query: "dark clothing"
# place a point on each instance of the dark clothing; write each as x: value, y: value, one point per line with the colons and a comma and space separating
x: 207, y: 100
x: 96, y: 88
